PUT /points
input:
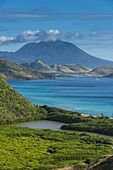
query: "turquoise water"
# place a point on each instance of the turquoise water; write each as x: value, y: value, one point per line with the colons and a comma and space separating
x: 85, y: 95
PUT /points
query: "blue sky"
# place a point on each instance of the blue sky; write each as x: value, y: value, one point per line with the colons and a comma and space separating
x: 86, y: 23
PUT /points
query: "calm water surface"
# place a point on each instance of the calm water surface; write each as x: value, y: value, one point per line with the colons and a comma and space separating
x: 46, y: 124
x: 42, y: 124
x: 85, y: 95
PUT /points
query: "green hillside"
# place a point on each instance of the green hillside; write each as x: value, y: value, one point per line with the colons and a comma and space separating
x: 10, y: 70
x: 34, y: 149
x: 14, y: 107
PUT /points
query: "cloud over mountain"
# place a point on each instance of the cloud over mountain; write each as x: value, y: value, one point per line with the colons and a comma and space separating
x: 70, y: 36
x: 41, y: 35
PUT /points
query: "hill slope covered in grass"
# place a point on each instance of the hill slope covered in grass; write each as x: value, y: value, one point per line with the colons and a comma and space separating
x: 10, y: 70
x: 14, y: 107
x: 34, y: 149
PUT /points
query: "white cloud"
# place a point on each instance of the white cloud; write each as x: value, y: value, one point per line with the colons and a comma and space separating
x: 46, y: 35
x: 29, y: 36
x: 41, y: 35
x: 71, y: 36
x: 53, y: 34
x: 4, y: 39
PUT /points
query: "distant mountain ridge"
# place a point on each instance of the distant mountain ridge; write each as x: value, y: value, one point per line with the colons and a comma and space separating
x: 71, y: 70
x: 57, y: 68
x: 39, y: 65
x: 39, y: 70
x: 104, y: 70
x: 10, y: 70
x: 54, y: 52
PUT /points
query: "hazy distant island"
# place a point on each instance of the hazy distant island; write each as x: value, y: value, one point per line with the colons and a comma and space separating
x: 39, y: 70
x: 71, y: 70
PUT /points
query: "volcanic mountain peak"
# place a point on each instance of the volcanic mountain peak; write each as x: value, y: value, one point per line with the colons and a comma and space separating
x: 55, y: 52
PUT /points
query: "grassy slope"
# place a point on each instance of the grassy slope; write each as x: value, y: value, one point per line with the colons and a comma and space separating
x: 24, y: 148
x: 11, y: 70
x: 14, y: 107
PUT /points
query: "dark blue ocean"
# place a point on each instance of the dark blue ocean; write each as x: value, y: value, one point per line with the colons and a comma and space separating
x: 86, y: 95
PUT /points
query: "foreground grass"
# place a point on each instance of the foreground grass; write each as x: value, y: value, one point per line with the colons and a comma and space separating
x: 34, y: 149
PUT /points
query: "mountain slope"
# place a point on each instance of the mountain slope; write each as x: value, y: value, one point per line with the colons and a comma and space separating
x: 54, y: 68
x: 14, y: 107
x: 70, y: 68
x: 109, y: 75
x: 39, y: 65
x: 105, y: 70
x: 10, y: 70
x: 56, y: 52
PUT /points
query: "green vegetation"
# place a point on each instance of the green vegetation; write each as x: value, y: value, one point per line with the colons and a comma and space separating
x: 61, y: 115
x: 15, y: 108
x: 76, y: 121
x: 10, y: 70
x: 33, y: 149
x: 101, y: 126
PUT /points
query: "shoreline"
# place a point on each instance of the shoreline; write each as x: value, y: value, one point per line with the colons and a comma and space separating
x: 44, y: 121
